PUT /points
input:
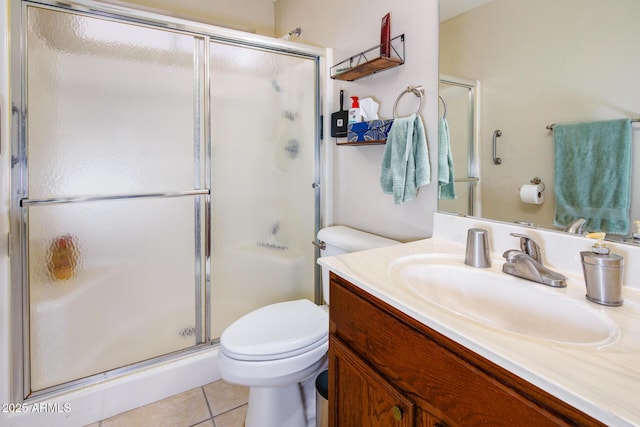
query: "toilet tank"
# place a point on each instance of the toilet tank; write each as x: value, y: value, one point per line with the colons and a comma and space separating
x: 339, y: 239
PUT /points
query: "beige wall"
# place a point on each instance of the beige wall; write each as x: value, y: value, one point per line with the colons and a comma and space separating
x: 254, y: 16
x: 350, y: 27
x: 542, y: 62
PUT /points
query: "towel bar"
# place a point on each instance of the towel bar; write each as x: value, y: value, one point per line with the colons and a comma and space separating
x: 550, y: 127
x: 417, y: 91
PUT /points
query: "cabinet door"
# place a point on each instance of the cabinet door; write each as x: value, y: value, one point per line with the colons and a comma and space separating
x: 361, y: 397
x: 425, y: 419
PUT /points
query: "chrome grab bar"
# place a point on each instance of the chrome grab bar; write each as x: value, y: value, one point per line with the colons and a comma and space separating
x: 496, y: 160
x: 60, y: 200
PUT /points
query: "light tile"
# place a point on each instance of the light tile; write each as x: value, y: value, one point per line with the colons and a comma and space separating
x: 182, y: 410
x: 223, y: 396
x: 208, y: 423
x: 234, y: 418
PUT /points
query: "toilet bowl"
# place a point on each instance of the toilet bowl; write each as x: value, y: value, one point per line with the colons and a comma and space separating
x: 278, y: 350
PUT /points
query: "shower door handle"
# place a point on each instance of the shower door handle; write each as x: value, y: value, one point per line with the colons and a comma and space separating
x: 62, y: 200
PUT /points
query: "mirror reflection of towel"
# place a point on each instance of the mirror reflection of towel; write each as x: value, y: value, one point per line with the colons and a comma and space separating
x: 593, y: 174
x: 405, y: 164
x: 446, y: 187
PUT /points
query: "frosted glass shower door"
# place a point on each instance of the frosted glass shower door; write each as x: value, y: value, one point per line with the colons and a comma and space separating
x: 263, y: 138
x: 112, y: 207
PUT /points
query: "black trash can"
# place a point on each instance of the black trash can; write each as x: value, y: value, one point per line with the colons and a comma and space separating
x: 322, y: 402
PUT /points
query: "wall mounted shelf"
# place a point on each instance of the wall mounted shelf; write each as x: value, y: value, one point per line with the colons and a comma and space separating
x: 383, y: 142
x: 370, y: 61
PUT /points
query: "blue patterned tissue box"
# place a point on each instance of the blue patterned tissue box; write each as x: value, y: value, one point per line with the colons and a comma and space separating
x: 375, y: 130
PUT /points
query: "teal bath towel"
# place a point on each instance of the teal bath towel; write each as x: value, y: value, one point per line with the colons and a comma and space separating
x: 446, y: 188
x: 593, y: 174
x: 405, y: 164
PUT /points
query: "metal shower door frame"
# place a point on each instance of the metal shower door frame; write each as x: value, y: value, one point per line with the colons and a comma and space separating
x: 20, y: 377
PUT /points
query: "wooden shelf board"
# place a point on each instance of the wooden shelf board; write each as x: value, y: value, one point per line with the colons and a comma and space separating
x: 368, y: 68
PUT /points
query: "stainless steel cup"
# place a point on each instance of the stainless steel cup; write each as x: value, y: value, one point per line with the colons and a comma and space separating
x: 603, y: 277
x: 477, y: 253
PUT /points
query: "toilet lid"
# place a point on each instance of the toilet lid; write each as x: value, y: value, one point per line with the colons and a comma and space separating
x: 276, y: 331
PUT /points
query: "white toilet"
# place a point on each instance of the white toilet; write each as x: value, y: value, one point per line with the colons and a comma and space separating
x: 278, y: 350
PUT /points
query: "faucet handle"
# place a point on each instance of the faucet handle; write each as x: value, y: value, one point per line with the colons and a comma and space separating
x: 529, y: 246
x: 512, y: 255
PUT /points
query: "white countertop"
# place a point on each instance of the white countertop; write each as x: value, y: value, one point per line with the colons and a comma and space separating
x: 602, y: 381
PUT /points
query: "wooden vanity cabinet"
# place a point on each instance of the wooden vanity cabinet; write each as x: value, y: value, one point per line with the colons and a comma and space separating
x: 387, y: 369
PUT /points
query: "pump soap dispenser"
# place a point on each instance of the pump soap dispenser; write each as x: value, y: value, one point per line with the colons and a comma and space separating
x: 602, y: 273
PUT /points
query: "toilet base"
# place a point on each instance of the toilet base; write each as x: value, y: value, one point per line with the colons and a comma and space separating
x: 267, y: 410
x: 292, y: 405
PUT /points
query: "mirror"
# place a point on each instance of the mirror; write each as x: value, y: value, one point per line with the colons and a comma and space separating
x: 539, y: 62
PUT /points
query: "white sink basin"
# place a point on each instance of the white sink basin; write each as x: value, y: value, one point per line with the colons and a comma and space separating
x: 500, y: 301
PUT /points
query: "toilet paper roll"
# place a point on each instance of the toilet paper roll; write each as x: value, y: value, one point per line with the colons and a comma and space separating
x: 532, y: 193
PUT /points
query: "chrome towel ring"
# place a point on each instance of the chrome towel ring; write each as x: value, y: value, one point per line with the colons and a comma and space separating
x: 444, y: 107
x: 417, y: 91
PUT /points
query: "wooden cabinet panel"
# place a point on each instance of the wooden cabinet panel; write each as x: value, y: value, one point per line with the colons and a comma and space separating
x: 449, y: 384
x: 365, y: 398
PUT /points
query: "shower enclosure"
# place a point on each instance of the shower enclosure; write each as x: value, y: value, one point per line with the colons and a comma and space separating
x: 164, y: 183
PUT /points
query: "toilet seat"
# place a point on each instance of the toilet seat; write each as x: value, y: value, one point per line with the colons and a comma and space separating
x: 276, y: 331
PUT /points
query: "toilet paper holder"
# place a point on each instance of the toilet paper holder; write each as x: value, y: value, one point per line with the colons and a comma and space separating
x: 536, y: 180
x: 533, y: 193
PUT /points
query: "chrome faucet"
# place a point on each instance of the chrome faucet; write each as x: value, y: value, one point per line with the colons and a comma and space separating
x: 526, y: 263
x: 575, y: 226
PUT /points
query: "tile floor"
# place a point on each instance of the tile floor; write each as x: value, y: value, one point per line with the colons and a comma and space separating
x: 217, y: 404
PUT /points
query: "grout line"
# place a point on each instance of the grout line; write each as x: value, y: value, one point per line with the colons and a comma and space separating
x: 208, y: 408
x: 232, y: 409
x: 208, y: 405
x: 200, y: 422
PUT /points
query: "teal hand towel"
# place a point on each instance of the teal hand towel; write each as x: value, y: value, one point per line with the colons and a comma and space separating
x: 593, y: 174
x: 446, y: 188
x: 405, y: 163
